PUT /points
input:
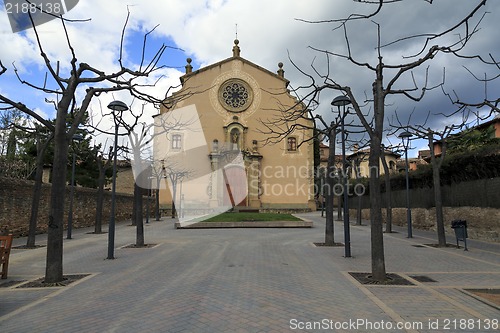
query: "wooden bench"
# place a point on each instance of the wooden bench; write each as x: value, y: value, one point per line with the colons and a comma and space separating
x: 5, y: 246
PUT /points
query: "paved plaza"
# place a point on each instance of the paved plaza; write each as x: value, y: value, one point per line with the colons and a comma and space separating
x: 251, y: 280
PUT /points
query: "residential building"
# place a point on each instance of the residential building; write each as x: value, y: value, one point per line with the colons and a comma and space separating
x: 359, y: 160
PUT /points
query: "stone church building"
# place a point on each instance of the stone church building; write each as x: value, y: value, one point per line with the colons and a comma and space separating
x: 210, y: 141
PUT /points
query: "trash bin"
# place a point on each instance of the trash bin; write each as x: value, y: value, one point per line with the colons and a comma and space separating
x: 460, y: 228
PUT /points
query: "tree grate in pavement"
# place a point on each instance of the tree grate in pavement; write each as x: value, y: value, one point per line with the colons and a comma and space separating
x: 40, y: 283
x: 391, y: 279
x: 324, y: 244
x: 437, y: 245
x: 422, y: 278
x: 492, y: 296
x: 134, y: 246
x: 24, y: 247
x: 9, y: 284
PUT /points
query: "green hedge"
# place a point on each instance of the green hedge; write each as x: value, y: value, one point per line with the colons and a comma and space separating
x: 481, y: 163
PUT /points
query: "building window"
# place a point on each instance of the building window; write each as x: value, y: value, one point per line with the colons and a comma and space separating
x: 176, y: 141
x: 291, y: 144
x: 392, y: 166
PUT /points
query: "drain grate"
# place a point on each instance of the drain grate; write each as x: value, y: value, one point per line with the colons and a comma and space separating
x: 422, y: 278
x: 418, y: 245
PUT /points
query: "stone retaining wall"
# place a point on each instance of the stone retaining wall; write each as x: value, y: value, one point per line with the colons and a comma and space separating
x: 482, y: 223
x: 15, y: 206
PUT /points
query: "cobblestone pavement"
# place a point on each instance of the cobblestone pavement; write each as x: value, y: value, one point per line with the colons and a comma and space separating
x: 251, y: 280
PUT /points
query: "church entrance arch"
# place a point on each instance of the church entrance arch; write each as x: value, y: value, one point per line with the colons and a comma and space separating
x: 236, y: 187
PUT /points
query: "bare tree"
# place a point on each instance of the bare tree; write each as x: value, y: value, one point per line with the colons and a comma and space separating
x: 82, y: 79
x: 388, y: 191
x: 356, y: 165
x: 330, y: 185
x: 285, y: 120
x: 140, y: 137
x: 104, y: 164
x: 42, y: 140
x: 176, y: 173
x: 139, y: 142
x: 437, y: 158
x: 157, y: 175
x: 388, y: 80
x: 41, y: 146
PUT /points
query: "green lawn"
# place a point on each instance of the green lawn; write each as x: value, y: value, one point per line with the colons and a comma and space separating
x: 245, y: 217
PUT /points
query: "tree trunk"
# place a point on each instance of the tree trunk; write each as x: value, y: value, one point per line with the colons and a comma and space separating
x: 360, y: 197
x: 377, y: 236
x: 54, y: 261
x: 37, y: 188
x: 340, y: 202
x: 157, y: 198
x: 436, y: 182
x: 174, y: 194
x: 330, y: 183
x: 388, y: 195
x: 11, y: 145
x: 139, y: 240
x: 377, y: 240
x: 359, y: 211
x: 438, y: 200
x: 134, y: 210
x: 100, y: 197
x: 157, y: 204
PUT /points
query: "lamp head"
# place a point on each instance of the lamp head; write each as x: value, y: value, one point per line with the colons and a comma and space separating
x: 341, y: 101
x: 405, y: 137
x: 118, y: 106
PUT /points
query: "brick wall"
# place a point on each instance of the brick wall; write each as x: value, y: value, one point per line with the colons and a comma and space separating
x: 15, y: 206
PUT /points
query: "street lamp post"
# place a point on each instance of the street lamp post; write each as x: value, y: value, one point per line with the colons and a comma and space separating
x: 157, y: 199
x: 76, y: 137
x: 342, y: 101
x: 147, y: 205
x: 120, y: 107
x: 148, y: 198
x: 405, y: 138
x: 181, y: 202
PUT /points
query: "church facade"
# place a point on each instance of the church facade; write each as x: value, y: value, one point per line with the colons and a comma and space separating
x: 215, y: 151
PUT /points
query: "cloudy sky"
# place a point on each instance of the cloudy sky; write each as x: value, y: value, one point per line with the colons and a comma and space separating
x: 269, y: 32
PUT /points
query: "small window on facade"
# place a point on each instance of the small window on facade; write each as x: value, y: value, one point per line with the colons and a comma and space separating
x: 291, y: 144
x: 392, y: 166
x: 176, y: 141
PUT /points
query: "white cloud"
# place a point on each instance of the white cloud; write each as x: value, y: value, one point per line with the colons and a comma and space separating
x: 268, y: 31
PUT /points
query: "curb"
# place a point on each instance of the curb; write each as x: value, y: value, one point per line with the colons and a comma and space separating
x: 246, y: 224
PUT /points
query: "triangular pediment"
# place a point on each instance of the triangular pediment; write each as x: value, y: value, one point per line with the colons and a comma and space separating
x: 229, y: 60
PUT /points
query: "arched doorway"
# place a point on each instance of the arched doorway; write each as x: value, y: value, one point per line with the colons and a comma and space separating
x: 236, y: 188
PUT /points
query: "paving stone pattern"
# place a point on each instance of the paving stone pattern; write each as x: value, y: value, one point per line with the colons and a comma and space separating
x: 248, y: 280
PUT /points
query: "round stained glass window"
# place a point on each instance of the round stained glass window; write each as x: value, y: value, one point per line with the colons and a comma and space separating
x: 235, y: 95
